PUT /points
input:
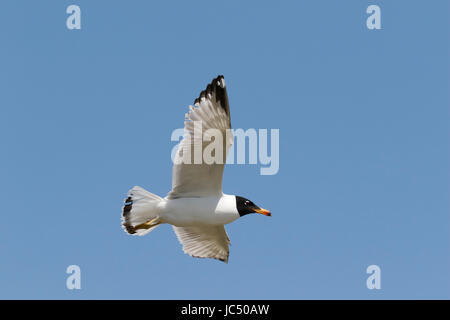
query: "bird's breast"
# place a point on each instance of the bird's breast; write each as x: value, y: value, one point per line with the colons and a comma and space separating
x: 197, y: 211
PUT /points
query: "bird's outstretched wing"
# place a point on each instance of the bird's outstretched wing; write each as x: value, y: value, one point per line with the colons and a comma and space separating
x: 192, y: 176
x: 204, y: 241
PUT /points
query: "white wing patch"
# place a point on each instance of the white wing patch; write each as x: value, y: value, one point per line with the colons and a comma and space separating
x: 204, y: 241
x: 213, y: 112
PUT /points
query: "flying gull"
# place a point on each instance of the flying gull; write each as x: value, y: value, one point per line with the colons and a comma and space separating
x: 196, y: 207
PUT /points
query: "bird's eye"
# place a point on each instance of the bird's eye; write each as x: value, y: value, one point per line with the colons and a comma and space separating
x: 247, y: 203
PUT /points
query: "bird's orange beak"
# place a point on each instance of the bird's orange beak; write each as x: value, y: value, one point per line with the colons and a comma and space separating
x: 263, y: 211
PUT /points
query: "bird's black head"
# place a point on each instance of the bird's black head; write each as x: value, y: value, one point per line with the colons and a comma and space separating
x: 245, y: 206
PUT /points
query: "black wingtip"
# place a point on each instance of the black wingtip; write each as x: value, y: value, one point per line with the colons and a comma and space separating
x: 216, y: 258
x: 218, y: 87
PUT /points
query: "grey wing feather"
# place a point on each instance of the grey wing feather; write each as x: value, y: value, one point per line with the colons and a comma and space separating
x: 204, y: 242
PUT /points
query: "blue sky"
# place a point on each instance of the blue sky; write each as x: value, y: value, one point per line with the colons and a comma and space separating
x: 364, y: 146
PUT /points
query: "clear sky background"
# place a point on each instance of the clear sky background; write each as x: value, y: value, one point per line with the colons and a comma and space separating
x: 364, y: 146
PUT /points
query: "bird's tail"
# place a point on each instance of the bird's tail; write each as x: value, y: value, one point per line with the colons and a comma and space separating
x: 140, y: 212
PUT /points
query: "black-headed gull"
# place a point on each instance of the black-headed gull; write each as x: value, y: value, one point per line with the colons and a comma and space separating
x: 196, y: 207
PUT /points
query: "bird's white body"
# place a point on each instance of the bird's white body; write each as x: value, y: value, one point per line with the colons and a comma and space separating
x: 186, y: 212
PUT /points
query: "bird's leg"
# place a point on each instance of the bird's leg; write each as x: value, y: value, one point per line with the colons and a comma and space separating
x: 148, y: 224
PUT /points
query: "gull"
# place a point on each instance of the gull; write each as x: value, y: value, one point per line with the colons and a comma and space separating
x: 196, y: 207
